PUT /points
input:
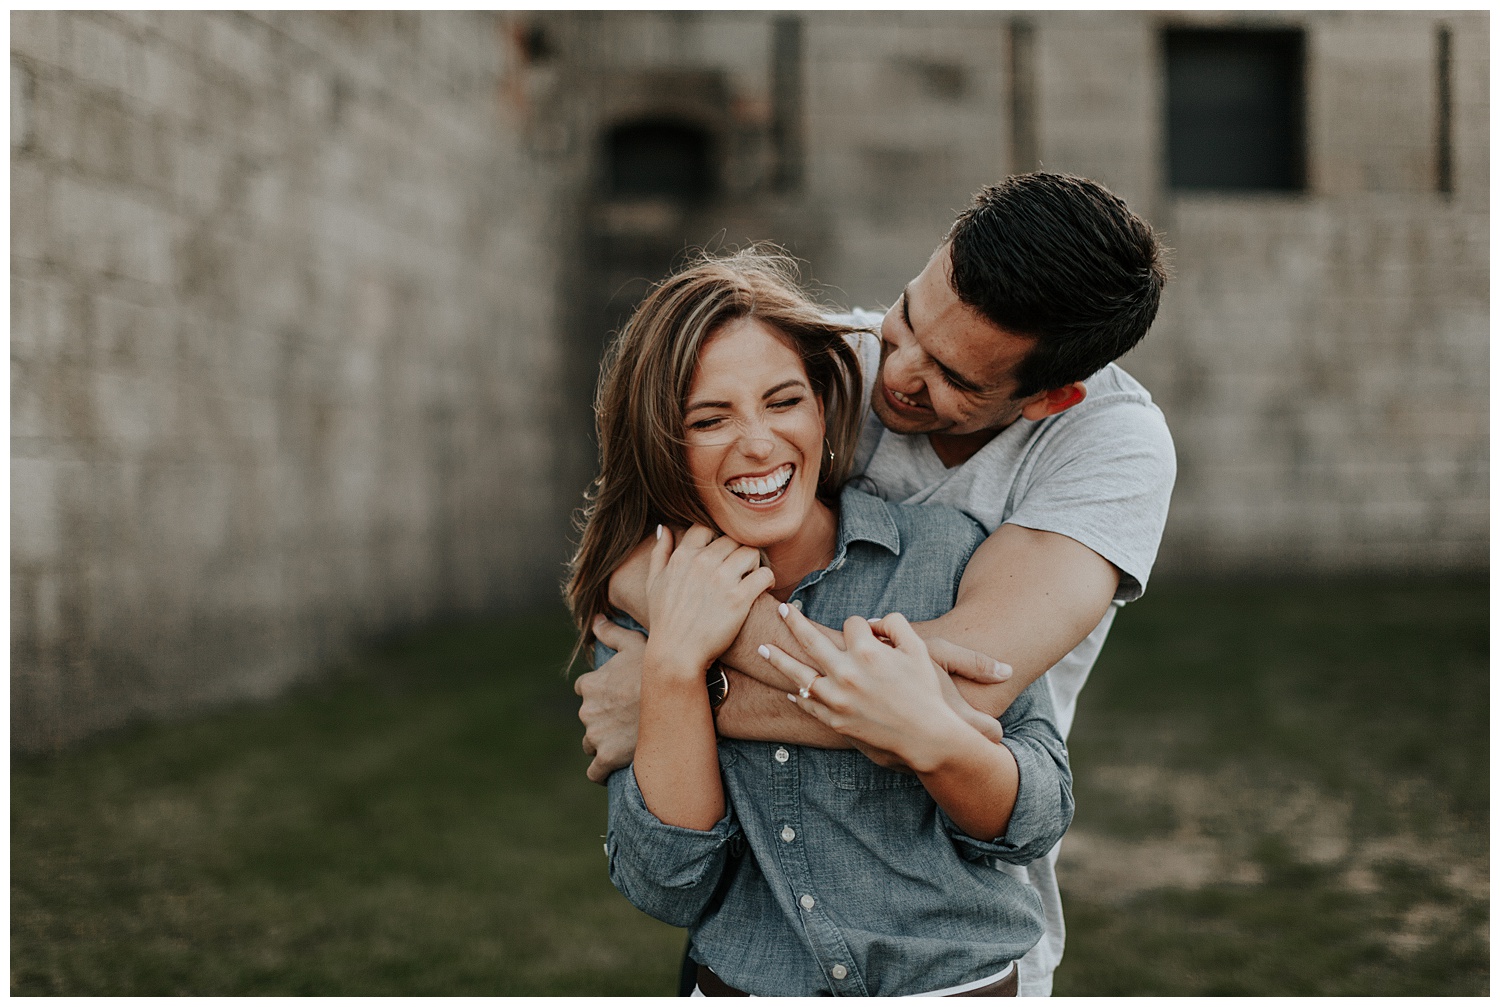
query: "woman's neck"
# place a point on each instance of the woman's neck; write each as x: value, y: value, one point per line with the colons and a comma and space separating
x: 810, y: 549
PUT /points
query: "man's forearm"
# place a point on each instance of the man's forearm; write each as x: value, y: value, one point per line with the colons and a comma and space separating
x: 763, y: 713
x: 754, y: 711
x: 763, y: 626
x: 1027, y: 598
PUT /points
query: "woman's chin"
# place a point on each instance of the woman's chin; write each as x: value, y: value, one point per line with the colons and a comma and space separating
x: 761, y: 526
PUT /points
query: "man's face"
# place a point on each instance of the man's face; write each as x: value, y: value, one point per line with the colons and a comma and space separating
x: 945, y: 368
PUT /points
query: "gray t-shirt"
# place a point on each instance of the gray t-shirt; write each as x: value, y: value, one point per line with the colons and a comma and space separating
x: 1100, y: 473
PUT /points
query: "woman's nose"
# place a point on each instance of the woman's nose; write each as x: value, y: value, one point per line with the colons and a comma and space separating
x: 756, y: 440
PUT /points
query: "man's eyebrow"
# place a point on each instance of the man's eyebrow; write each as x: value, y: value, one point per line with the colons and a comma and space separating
x: 957, y: 379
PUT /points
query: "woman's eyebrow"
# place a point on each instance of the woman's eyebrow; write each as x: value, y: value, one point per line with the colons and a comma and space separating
x: 790, y: 382
x: 781, y: 387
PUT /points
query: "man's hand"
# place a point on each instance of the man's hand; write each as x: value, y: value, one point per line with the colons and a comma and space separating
x: 961, y: 662
x: 611, y: 708
x: 627, y: 585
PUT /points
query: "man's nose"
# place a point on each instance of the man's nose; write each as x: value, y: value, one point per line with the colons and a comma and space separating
x: 897, y: 368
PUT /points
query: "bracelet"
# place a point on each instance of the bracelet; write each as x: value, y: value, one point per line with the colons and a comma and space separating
x: 717, y: 680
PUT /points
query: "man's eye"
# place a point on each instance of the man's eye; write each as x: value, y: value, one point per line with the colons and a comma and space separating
x: 953, y: 384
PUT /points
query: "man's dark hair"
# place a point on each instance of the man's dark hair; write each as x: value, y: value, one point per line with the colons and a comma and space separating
x: 1060, y: 259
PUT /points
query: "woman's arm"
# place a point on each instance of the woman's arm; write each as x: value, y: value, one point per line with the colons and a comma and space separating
x: 698, y: 595
x: 676, y: 760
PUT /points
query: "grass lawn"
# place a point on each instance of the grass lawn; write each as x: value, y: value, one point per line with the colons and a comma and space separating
x: 1282, y: 789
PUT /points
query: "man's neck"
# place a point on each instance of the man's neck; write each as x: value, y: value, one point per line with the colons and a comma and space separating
x: 955, y: 449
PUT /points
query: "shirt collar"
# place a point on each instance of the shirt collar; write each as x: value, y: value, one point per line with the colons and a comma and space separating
x: 862, y: 518
x: 866, y: 518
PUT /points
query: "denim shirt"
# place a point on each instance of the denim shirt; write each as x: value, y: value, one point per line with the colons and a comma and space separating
x: 829, y: 874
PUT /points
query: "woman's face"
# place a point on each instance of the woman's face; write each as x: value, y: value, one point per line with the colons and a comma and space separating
x: 754, y: 431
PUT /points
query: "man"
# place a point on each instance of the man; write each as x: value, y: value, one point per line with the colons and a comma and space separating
x: 992, y: 388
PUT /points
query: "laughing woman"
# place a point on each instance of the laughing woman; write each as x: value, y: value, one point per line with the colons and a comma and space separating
x: 728, y: 407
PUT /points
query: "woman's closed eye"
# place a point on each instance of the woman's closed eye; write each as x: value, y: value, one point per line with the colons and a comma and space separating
x: 707, y: 423
x: 787, y: 403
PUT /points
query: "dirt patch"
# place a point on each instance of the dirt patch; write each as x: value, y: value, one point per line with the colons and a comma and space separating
x: 1212, y: 829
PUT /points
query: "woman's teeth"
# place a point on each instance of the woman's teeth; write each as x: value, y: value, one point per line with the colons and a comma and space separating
x: 763, y: 488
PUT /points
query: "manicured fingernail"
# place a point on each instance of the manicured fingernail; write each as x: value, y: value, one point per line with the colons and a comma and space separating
x: 791, y: 697
x: 783, y: 609
x: 658, y: 533
x: 764, y: 651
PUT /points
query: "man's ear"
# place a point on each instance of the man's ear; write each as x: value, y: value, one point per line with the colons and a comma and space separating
x: 1051, y: 402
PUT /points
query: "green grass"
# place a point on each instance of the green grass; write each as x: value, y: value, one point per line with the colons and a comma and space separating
x: 421, y: 824
x: 1330, y: 744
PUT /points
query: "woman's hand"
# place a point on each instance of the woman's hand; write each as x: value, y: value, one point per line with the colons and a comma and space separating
x: 698, y: 594
x: 886, y: 695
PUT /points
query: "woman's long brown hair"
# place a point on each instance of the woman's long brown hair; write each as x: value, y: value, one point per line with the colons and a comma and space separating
x: 647, y: 372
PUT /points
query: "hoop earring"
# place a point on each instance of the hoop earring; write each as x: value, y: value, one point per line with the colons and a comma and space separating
x: 830, y: 451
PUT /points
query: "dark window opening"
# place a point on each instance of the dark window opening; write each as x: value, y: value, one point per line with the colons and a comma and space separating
x: 534, y: 43
x: 1235, y: 102
x: 668, y: 160
x: 1445, y: 109
x: 786, y: 103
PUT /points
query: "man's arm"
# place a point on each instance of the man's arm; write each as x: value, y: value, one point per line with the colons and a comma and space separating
x: 1027, y: 597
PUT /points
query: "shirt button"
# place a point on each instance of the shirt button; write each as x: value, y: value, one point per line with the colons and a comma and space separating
x: 797, y: 604
x: 782, y: 755
x: 788, y: 833
x: 839, y: 972
x: 806, y: 902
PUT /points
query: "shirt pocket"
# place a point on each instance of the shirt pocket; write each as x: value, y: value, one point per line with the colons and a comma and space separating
x: 852, y: 771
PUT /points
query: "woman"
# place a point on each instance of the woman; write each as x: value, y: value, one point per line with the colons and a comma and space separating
x: 727, y: 406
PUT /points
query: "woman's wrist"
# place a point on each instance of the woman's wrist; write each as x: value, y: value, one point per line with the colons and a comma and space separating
x: 672, y: 666
x: 946, y: 740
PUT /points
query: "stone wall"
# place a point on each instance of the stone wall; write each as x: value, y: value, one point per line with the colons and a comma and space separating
x: 283, y: 356
x: 1322, y: 357
x: 307, y: 307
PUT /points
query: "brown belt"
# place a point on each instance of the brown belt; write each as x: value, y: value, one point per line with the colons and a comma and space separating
x: 712, y: 986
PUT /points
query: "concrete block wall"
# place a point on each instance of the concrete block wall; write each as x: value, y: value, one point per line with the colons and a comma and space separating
x: 1323, y: 358
x: 282, y: 349
x: 300, y: 351
x: 907, y: 115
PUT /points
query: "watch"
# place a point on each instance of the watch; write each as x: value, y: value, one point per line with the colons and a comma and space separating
x: 718, y: 685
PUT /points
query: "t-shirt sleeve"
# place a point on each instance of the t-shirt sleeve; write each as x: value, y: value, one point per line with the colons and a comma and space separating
x: 867, y: 346
x: 1104, y: 477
